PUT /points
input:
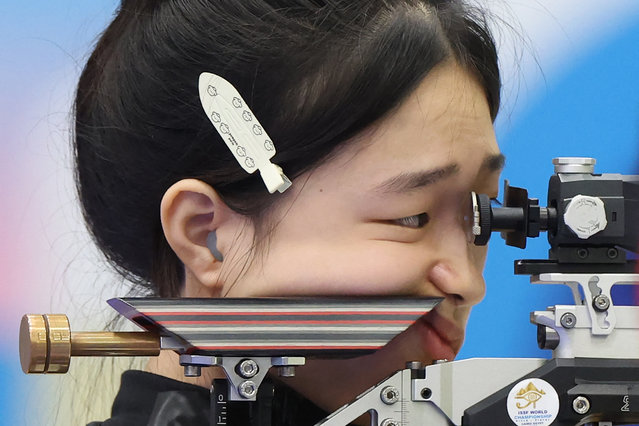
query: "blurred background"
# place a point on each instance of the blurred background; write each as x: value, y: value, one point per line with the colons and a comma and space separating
x: 570, y: 89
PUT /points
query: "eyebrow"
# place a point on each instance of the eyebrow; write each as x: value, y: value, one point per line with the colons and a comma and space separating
x: 405, y: 182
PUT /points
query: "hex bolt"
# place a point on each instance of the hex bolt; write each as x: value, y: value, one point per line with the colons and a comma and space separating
x: 582, y: 253
x: 568, y: 320
x: 389, y: 395
x: 389, y: 422
x: 247, y: 389
x: 601, y: 303
x: 612, y: 253
x: 581, y: 405
x: 247, y: 368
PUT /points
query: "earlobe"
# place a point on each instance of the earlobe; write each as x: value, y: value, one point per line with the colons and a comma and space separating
x: 192, y: 212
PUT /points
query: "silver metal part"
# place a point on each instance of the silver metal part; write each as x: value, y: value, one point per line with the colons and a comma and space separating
x: 247, y: 368
x: 414, y: 365
x: 551, y: 338
x: 238, y: 370
x: 601, y: 303
x: 581, y: 405
x: 247, y: 389
x: 592, y: 285
x: 608, y: 333
x: 389, y: 395
x: 288, y: 361
x: 476, y: 228
x: 192, y: 371
x: 235, y: 392
x: 172, y: 343
x: 231, y: 366
x: 390, y: 422
x: 441, y: 398
x: 287, y: 371
x: 568, y: 320
x: 193, y: 363
x: 574, y: 164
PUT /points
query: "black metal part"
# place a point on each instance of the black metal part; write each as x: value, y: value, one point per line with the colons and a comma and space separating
x: 543, y: 266
x: 241, y: 413
x: 485, y: 219
x: 620, y: 195
x: 610, y: 385
x: 522, y: 217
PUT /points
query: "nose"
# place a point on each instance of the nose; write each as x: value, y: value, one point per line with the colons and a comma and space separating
x: 458, y: 265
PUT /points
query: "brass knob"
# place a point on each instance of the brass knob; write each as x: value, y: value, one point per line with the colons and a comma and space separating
x: 47, y: 344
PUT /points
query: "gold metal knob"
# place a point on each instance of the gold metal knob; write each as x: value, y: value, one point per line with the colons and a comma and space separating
x: 47, y: 344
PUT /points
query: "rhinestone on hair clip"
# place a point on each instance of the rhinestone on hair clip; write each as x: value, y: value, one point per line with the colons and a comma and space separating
x: 241, y: 131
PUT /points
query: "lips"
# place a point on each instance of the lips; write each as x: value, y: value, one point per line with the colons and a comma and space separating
x: 442, y: 338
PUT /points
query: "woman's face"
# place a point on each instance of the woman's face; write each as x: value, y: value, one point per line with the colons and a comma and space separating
x: 386, y: 217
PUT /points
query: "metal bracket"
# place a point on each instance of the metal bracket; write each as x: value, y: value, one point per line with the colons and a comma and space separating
x: 596, y: 290
x: 439, y: 398
x: 245, y: 374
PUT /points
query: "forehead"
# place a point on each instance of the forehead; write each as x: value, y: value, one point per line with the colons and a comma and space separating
x: 444, y: 122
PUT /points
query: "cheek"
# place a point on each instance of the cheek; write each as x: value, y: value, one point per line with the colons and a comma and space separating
x: 370, y: 268
x: 478, y: 255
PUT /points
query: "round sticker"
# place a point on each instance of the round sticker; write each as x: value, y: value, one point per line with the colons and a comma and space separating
x: 533, y: 402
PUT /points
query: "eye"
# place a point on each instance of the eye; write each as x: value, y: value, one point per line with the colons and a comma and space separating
x: 415, y: 221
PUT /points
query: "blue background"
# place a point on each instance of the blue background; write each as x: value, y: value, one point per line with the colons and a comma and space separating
x: 588, y: 109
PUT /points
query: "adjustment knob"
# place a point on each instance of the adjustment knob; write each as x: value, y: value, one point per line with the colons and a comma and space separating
x: 574, y: 165
x: 45, y: 343
x: 585, y: 215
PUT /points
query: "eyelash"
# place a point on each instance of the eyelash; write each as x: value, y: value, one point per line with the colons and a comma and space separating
x: 416, y: 221
x: 420, y: 220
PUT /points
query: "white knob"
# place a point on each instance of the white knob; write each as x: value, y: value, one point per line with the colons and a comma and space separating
x: 585, y: 215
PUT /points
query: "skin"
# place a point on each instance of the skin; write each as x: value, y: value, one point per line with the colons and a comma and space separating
x: 357, y: 225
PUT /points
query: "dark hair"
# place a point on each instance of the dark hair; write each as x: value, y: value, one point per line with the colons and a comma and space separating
x: 314, y: 72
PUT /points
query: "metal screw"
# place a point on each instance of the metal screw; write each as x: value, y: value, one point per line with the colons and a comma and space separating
x: 581, y: 405
x: 414, y: 365
x: 247, y: 368
x: 286, y: 371
x: 192, y: 371
x: 613, y: 253
x: 582, y: 253
x: 426, y: 393
x: 389, y: 395
x: 389, y: 422
x: 568, y: 320
x: 601, y: 303
x: 247, y: 389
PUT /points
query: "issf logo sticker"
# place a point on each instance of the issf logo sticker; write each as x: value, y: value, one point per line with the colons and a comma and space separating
x: 533, y: 402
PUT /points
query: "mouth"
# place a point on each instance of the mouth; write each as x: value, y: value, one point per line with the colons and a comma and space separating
x: 441, y: 337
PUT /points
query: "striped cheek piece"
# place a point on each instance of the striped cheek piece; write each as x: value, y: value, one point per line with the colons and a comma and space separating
x: 277, y: 327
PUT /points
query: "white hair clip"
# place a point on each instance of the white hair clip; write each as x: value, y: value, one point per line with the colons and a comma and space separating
x: 240, y: 129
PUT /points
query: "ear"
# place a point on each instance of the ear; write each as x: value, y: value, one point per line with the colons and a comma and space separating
x: 190, y: 211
